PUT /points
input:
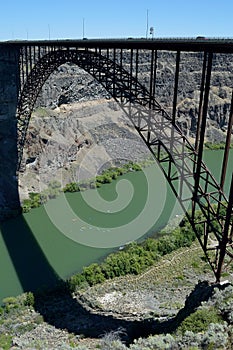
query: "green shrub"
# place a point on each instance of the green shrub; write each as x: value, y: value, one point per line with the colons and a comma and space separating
x: 71, y: 187
x: 35, y: 199
x: 184, y: 237
x: 76, y: 281
x: 104, y: 178
x: 151, y: 245
x: 5, y: 341
x: 200, y: 320
x: 107, y: 179
x: 93, y: 274
x: 166, y: 245
x: 136, y: 167
x: 29, y: 299
x: 216, y: 146
x: 26, y: 206
x: 121, y: 171
x: 10, y: 303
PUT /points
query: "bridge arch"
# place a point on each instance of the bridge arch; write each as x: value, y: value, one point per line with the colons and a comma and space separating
x: 119, y: 83
x: 176, y: 156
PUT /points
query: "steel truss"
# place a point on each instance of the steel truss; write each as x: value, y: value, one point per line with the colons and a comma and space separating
x: 210, y: 213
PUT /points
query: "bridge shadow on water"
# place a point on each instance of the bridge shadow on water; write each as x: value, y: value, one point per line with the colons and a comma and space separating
x: 55, y: 302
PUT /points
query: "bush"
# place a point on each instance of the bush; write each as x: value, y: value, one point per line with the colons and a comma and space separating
x: 76, y: 281
x: 29, y: 299
x: 26, y: 206
x: 136, y: 167
x: 157, y: 342
x: 135, y: 258
x: 111, y: 340
x: 216, y: 146
x: 71, y: 187
x: 10, y: 303
x: 93, y: 274
x: 5, y: 341
x: 216, y: 337
x: 223, y: 301
x: 166, y: 245
x: 104, y: 178
x: 199, y: 321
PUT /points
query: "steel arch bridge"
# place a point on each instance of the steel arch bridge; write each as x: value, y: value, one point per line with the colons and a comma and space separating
x: 116, y: 65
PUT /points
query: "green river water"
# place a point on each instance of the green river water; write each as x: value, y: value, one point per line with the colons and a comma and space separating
x: 54, y: 241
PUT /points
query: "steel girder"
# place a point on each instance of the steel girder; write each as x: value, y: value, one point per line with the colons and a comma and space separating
x: 180, y: 161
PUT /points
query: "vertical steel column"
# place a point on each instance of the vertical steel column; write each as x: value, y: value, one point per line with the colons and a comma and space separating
x: 96, y: 57
x: 174, y: 107
x: 176, y: 87
x: 114, y: 72
x: 121, y: 66
x: 227, y: 145
x: 225, y: 237
x: 136, y: 72
x: 106, y: 75
x: 151, y: 78
x: 39, y: 52
x: 22, y: 68
x: 34, y: 54
x: 202, y: 87
x: 99, y: 63
x: 30, y: 57
x: 26, y: 61
x: 155, y: 73
x: 131, y: 73
x: 136, y: 65
x: 202, y: 126
x: 174, y: 101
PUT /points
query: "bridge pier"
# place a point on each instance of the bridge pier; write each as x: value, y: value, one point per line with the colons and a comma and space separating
x: 9, y: 85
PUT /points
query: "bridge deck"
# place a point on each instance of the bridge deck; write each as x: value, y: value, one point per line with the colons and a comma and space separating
x: 192, y: 45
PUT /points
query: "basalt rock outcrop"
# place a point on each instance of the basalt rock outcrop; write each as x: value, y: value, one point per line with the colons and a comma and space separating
x: 76, y: 141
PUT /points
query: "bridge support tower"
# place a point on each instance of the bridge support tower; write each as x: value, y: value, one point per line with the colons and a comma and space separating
x: 9, y: 85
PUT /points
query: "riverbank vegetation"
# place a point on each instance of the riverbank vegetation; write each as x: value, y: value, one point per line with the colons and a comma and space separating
x: 134, y: 258
x: 106, y: 177
x: 216, y: 146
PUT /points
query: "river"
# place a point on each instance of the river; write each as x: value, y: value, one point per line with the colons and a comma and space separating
x: 56, y: 240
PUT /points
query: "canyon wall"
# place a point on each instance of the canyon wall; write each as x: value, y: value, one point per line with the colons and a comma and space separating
x: 77, y: 129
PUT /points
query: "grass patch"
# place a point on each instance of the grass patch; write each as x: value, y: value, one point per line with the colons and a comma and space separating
x: 5, y: 341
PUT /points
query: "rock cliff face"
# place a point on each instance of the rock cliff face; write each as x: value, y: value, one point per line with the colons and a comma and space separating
x: 71, y: 84
x: 76, y: 141
x: 77, y: 129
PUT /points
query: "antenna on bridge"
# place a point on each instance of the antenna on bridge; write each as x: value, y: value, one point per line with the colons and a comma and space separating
x: 152, y: 32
